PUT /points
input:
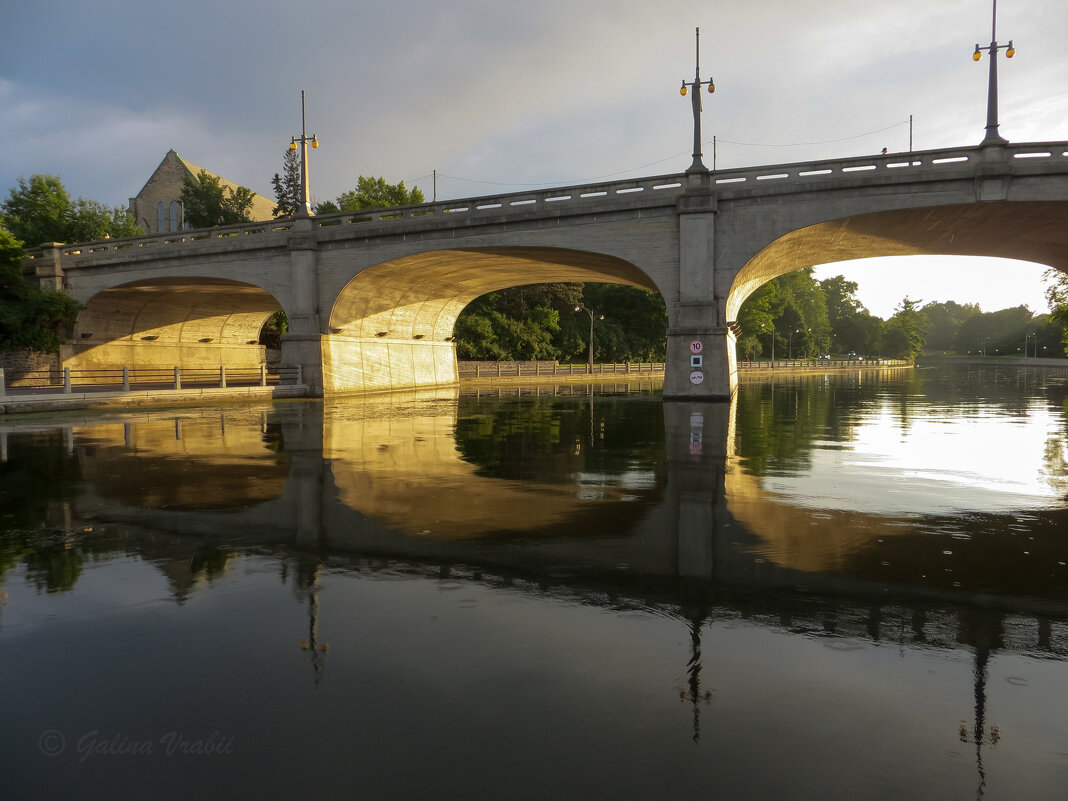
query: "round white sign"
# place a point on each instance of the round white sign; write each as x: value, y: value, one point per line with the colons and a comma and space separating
x: 697, y: 377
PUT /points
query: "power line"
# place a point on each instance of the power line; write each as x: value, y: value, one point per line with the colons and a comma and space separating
x: 716, y: 140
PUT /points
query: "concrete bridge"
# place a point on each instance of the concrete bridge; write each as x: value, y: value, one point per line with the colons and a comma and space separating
x: 372, y: 297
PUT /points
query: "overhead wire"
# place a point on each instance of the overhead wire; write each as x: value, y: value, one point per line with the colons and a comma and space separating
x: 716, y: 140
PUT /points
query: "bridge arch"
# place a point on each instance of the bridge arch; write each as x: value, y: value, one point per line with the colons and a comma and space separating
x: 391, y: 325
x: 187, y: 321
x: 1024, y: 231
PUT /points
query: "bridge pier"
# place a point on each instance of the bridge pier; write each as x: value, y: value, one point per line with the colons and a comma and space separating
x: 701, y: 357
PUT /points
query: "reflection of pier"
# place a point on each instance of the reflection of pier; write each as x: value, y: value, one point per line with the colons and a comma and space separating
x: 385, y: 478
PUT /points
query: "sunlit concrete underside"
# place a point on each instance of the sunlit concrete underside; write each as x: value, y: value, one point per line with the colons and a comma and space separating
x: 392, y: 325
x: 1026, y: 231
x: 192, y: 322
x: 404, y: 470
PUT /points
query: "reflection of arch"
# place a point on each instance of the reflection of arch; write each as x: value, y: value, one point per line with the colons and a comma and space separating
x: 1031, y: 231
x: 402, y: 467
x: 172, y: 321
x: 194, y: 464
x: 420, y: 296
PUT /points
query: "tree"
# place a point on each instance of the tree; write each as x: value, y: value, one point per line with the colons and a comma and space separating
x: 906, y: 332
x: 30, y: 317
x: 1057, y: 296
x: 787, y: 313
x: 944, y: 321
x: 208, y: 204
x: 40, y: 210
x: 287, y: 186
x: 375, y: 193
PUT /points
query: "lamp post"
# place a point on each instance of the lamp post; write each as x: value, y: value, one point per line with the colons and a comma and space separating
x: 697, y: 165
x: 992, y: 136
x: 1028, y: 336
x: 305, y: 209
x: 583, y: 308
x: 791, y: 342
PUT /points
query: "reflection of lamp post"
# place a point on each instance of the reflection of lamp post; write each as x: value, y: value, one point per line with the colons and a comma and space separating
x: 697, y: 165
x: 992, y: 136
x: 305, y: 209
x: 583, y: 308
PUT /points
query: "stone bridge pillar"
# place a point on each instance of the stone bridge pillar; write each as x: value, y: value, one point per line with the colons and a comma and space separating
x: 701, y: 360
x: 699, y: 442
x: 303, y: 344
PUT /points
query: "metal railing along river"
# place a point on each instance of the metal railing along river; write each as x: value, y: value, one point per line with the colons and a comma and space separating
x: 550, y: 369
x: 125, y: 379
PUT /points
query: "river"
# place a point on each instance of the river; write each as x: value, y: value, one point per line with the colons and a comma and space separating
x: 840, y: 586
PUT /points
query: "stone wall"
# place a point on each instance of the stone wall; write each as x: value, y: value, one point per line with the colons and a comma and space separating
x: 28, y: 368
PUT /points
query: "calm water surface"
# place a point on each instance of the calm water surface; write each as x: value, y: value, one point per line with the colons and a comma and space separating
x: 838, y: 587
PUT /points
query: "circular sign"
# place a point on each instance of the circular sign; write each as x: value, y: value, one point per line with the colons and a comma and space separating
x: 696, y: 346
x: 697, y: 377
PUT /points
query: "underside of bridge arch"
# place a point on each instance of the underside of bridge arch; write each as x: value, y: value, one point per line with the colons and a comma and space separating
x: 1025, y: 231
x: 392, y: 325
x: 188, y: 322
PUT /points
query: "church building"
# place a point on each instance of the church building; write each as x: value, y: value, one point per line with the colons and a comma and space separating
x: 158, y: 206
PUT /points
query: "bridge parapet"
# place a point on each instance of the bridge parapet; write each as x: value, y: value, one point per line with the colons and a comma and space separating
x: 1013, y: 159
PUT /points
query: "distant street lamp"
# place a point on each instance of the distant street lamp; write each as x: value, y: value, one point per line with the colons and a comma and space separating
x: 992, y: 136
x: 305, y: 209
x: 601, y: 317
x: 697, y: 165
x: 1027, y: 337
x: 790, y: 342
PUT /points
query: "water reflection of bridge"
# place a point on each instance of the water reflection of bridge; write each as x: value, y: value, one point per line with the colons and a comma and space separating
x: 387, y: 479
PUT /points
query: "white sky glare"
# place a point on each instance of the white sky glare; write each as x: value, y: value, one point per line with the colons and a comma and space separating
x: 500, y: 96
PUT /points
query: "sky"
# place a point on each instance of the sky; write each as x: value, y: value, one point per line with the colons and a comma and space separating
x: 498, y: 96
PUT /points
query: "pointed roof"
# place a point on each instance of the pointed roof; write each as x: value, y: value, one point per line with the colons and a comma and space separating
x: 262, y: 207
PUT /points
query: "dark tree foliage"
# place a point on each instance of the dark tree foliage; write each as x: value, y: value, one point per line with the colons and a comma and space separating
x: 287, y: 186
x: 30, y: 317
x: 540, y: 322
x: 906, y: 331
x: 208, y: 204
x: 944, y: 321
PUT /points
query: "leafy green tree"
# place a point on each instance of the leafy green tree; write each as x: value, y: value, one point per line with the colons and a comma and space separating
x: 787, y: 314
x: 326, y: 207
x: 944, y: 321
x: 906, y: 331
x: 208, y: 204
x: 375, y: 193
x: 1057, y: 296
x: 996, y: 333
x: 39, y: 209
x: 525, y: 322
x: 30, y: 317
x: 287, y: 186
x: 632, y: 325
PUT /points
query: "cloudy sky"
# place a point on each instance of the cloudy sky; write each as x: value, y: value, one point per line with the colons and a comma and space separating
x: 500, y: 96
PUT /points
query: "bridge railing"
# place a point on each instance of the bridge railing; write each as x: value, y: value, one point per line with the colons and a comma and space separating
x: 68, y: 381
x: 820, y: 364
x: 579, y: 198
x: 524, y: 369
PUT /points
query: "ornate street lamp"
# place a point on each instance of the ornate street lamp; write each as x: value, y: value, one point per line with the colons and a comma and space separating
x: 305, y: 209
x: 992, y: 136
x: 697, y: 165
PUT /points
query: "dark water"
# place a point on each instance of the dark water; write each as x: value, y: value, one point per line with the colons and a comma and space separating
x: 840, y: 587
